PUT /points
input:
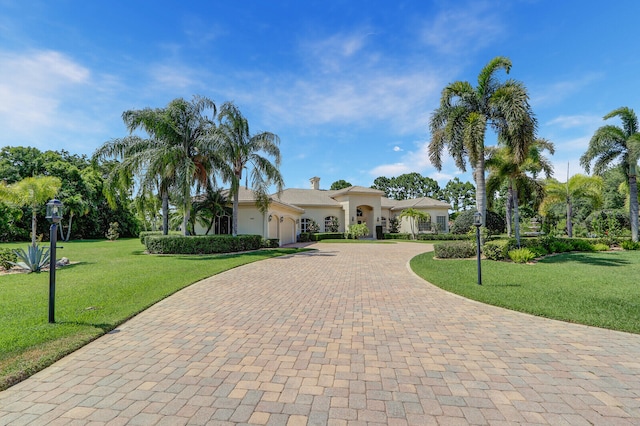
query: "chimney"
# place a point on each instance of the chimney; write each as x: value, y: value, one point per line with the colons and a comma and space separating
x: 315, y: 182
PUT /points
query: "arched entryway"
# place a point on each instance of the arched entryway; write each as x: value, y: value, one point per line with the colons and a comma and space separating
x: 365, y: 215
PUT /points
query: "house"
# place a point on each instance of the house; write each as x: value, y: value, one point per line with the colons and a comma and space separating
x: 294, y: 210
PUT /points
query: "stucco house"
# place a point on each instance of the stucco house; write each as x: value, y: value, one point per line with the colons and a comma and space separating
x: 294, y: 210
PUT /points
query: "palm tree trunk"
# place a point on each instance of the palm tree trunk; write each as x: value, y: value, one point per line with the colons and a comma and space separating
x: 516, y: 214
x: 69, y: 228
x: 34, y: 223
x: 481, y: 189
x: 165, y: 212
x: 569, y: 215
x: 185, y: 218
x: 509, y: 210
x: 633, y: 203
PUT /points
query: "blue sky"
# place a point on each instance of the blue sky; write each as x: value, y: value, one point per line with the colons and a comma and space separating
x: 347, y: 85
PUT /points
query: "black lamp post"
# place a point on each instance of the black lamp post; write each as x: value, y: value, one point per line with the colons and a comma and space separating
x: 54, y: 215
x: 477, y: 222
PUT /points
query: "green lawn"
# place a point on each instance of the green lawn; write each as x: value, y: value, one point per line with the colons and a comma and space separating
x: 111, y: 282
x: 600, y: 289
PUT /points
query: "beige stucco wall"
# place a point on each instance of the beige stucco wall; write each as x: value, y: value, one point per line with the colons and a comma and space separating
x: 319, y: 213
x: 405, y: 224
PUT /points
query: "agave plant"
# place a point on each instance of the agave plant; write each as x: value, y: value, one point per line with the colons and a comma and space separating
x: 34, y: 259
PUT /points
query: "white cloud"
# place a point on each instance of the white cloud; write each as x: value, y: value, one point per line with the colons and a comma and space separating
x: 557, y: 92
x: 390, y: 170
x: 454, y: 31
x: 572, y: 121
x: 397, y: 148
x: 34, y: 88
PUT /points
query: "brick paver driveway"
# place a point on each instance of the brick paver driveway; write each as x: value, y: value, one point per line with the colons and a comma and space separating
x: 344, y: 335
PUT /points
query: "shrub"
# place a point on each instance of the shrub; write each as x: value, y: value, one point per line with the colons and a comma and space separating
x: 494, y: 250
x: 522, y: 255
x: 304, y: 237
x: 443, y: 237
x: 538, y: 251
x: 560, y: 247
x: 202, y: 244
x: 113, y: 231
x: 455, y: 250
x: 396, y: 236
x: 270, y: 243
x: 495, y: 223
x: 630, y: 245
x: 327, y: 236
x: 602, y: 247
x: 578, y: 244
x: 604, y: 222
x: 359, y: 230
x: 145, y: 234
x: 7, y: 258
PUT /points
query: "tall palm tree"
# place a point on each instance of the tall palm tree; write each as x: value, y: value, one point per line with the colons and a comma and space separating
x: 178, y: 153
x: 239, y: 149
x: 414, y: 216
x: 518, y: 175
x: 74, y: 205
x: 577, y: 187
x: 610, y: 143
x: 461, y: 120
x: 211, y: 206
x: 32, y: 192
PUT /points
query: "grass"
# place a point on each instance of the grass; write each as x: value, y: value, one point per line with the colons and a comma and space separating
x: 599, y: 289
x: 112, y: 282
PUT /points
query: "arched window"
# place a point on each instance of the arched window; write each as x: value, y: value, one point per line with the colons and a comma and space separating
x: 304, y: 224
x: 331, y: 224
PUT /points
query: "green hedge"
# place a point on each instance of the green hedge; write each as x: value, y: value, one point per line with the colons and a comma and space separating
x: 319, y: 236
x: 398, y: 236
x: 201, y: 244
x: 442, y: 237
x: 455, y: 250
x: 145, y: 234
x: 270, y: 243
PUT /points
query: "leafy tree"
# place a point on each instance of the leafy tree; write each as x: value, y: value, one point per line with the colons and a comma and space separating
x: 494, y: 222
x: 518, y: 175
x: 577, y: 187
x: 407, y: 186
x: 237, y: 149
x: 610, y: 143
x: 340, y: 184
x: 461, y: 120
x: 414, y: 217
x: 460, y: 195
x: 33, y: 192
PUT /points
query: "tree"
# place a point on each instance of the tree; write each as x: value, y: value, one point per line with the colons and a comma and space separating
x: 237, y: 149
x: 518, y: 175
x: 340, y: 184
x: 74, y: 205
x: 460, y: 195
x: 578, y: 187
x: 33, y: 192
x: 178, y: 153
x: 414, y: 216
x: 407, y: 186
x: 210, y: 206
x: 610, y: 143
x: 461, y: 120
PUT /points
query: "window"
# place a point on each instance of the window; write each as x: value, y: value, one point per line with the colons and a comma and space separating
x: 441, y: 221
x: 305, y: 222
x: 383, y: 222
x: 424, y: 225
x: 331, y: 224
x: 359, y: 213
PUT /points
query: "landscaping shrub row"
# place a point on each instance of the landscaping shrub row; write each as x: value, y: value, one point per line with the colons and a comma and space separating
x: 427, y: 237
x: 319, y: 236
x: 201, y: 244
x: 541, y: 246
x: 7, y: 256
x: 455, y: 250
x: 145, y: 234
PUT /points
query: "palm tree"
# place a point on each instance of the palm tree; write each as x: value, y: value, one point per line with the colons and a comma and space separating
x: 577, y: 187
x: 518, y: 175
x: 32, y: 192
x: 613, y: 142
x: 178, y: 153
x: 461, y: 120
x: 74, y: 205
x: 238, y: 149
x: 211, y: 205
x: 414, y: 216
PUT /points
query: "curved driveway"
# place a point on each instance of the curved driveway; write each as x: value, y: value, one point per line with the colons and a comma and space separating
x: 344, y: 335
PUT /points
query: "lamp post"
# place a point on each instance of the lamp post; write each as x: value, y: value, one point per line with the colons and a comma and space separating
x: 477, y: 221
x: 54, y: 215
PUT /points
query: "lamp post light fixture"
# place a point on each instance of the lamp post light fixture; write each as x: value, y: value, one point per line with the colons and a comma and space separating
x: 54, y: 215
x: 477, y: 222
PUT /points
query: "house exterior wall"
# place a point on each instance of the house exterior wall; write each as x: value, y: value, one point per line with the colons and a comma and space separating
x: 434, y: 212
x: 319, y: 213
x: 351, y: 202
